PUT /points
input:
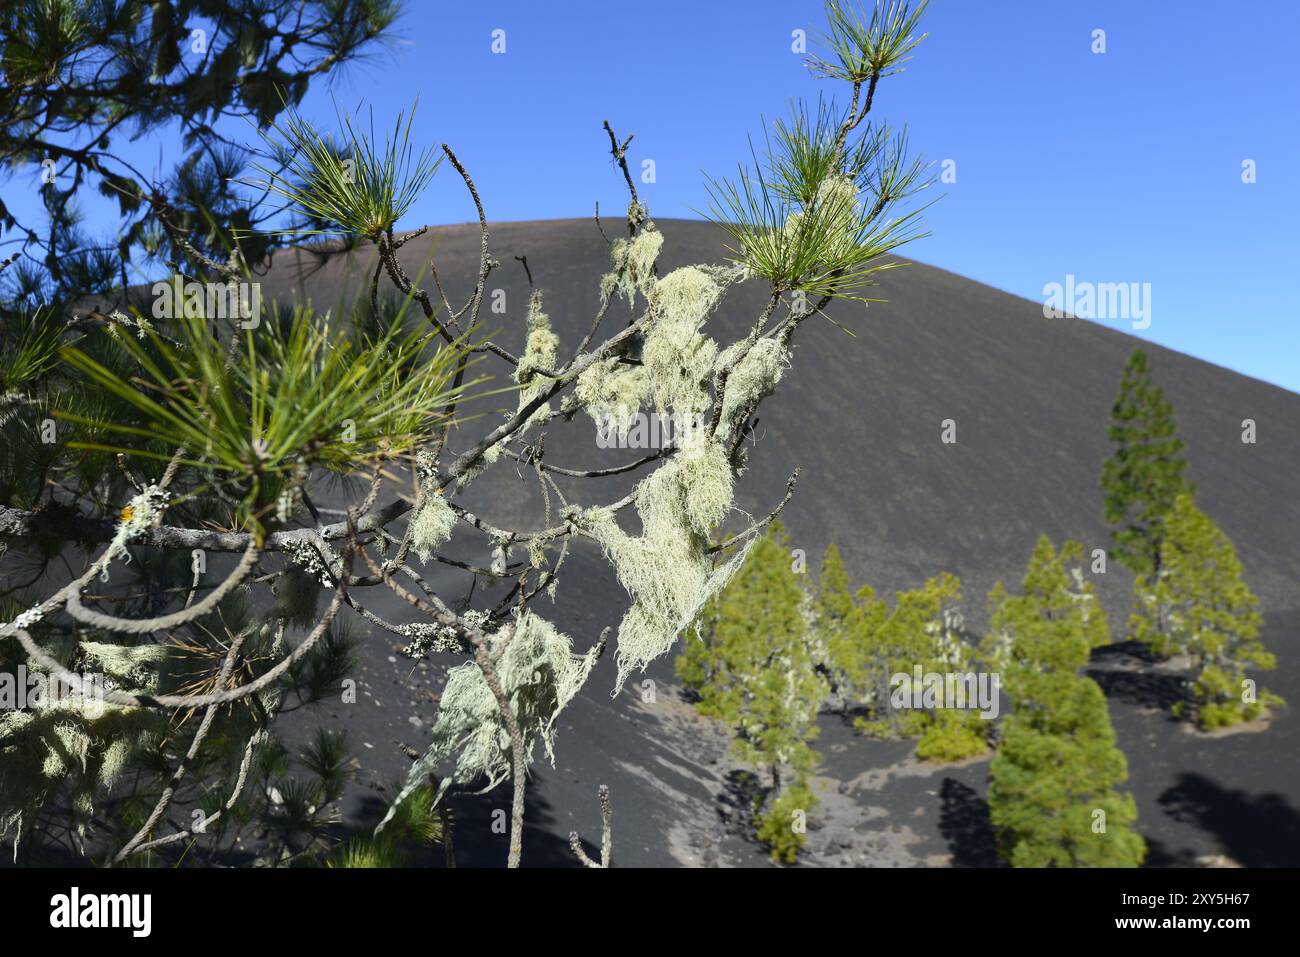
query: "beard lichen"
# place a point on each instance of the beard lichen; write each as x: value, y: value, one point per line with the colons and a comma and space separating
x: 678, y: 358
x: 611, y: 392
x: 634, y: 262
x: 432, y: 525
x: 136, y: 518
x: 838, y: 190
x: 75, y: 743
x: 433, y: 522
x: 484, y: 462
x: 682, y: 300
x: 705, y: 481
x: 751, y: 379
x: 539, y: 674
x: 541, y: 350
x: 667, y: 570
x: 836, y: 202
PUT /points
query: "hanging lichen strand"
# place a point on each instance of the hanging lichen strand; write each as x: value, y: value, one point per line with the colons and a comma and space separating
x: 677, y: 357
x: 539, y: 675
x: 753, y: 376
x: 634, y: 264
x: 678, y: 360
x: 668, y: 569
x: 541, y: 349
x: 76, y: 743
x: 433, y: 523
x: 610, y: 390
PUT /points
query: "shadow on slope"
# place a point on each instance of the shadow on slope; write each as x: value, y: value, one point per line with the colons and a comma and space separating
x: 1261, y: 830
x: 964, y: 823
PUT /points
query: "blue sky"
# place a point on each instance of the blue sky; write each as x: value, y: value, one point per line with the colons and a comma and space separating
x: 1117, y: 167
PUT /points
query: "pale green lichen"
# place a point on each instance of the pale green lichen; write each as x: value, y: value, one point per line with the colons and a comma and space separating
x: 137, y: 517
x: 667, y: 569
x: 683, y: 299
x: 750, y: 379
x: 539, y: 674
x: 838, y: 190
x: 541, y: 350
x: 114, y: 762
x: 305, y: 556
x: 705, y: 481
x: 482, y: 464
x: 678, y: 359
x: 139, y: 667
x: 432, y: 525
x: 612, y: 393
x: 836, y: 203
x: 75, y: 743
x: 634, y: 262
x: 636, y: 213
x: 429, y: 636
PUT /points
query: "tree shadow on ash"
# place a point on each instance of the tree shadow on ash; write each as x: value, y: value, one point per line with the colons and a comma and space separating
x: 1160, y: 854
x: 481, y: 829
x: 1124, y: 672
x: 1119, y: 650
x: 689, y: 696
x: 846, y: 715
x: 965, y: 824
x: 1256, y: 830
x: 743, y: 791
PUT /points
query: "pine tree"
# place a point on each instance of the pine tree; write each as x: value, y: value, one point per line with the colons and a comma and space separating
x: 1052, y: 784
x: 755, y: 668
x: 833, y: 610
x: 1056, y: 604
x: 953, y: 735
x: 1198, y: 604
x: 855, y: 657
x: 1145, y: 474
x: 699, y: 659
x: 907, y: 638
x: 834, y: 602
x: 81, y: 78
x: 869, y: 643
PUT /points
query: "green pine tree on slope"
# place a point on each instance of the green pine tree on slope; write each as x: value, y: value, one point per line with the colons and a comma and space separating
x: 1198, y: 604
x: 1145, y: 474
x: 1053, y: 795
x: 755, y: 667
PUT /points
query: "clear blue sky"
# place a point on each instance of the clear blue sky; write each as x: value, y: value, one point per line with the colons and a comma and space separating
x: 1119, y: 167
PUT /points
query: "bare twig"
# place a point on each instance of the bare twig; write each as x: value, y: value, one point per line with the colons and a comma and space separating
x: 606, y: 836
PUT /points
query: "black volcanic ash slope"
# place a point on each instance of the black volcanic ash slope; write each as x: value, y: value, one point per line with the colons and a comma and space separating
x: 862, y: 417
